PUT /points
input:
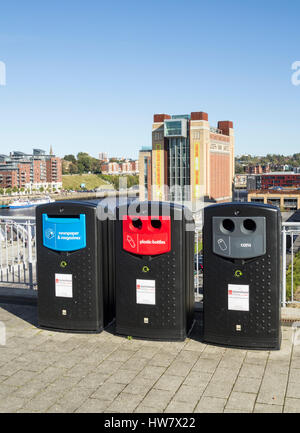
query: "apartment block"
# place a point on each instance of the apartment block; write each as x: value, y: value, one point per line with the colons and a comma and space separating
x: 20, y: 170
x: 127, y: 167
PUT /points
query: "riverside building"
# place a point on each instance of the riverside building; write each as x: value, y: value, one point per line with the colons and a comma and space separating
x: 189, y: 159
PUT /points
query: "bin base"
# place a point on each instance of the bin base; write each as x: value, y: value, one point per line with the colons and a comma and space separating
x: 242, y: 342
x: 154, y: 334
x: 71, y: 331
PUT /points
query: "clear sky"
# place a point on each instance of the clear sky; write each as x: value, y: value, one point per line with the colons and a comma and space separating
x: 88, y: 75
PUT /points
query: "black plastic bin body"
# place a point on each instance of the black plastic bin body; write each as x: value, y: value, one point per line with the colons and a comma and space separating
x: 242, y: 275
x: 75, y: 271
x: 154, y: 279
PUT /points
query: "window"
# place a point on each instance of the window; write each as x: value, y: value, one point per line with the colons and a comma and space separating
x: 172, y: 128
x: 179, y: 168
x: 158, y: 135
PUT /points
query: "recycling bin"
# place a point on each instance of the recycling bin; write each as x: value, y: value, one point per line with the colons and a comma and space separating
x: 154, y: 278
x: 75, y: 267
x: 242, y: 275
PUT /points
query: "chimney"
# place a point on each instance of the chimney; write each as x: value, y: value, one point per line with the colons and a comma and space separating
x: 160, y: 117
x: 199, y: 115
x: 225, y: 125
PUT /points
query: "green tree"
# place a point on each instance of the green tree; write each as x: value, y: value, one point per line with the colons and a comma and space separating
x: 96, y: 166
x: 84, y: 161
x: 73, y: 169
x: 81, y: 167
x: 70, y: 158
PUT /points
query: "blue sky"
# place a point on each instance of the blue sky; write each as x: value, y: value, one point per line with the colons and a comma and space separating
x: 88, y: 75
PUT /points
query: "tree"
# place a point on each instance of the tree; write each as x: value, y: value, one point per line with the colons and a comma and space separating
x: 70, y: 158
x: 81, y: 167
x: 73, y: 169
x: 96, y: 166
x: 84, y: 162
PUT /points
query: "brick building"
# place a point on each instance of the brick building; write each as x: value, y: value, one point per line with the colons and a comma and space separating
x: 20, y: 170
x: 277, y: 179
x: 189, y: 159
x: 257, y: 169
x: 127, y: 167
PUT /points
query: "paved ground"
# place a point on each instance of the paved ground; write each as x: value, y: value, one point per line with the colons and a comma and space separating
x: 42, y: 371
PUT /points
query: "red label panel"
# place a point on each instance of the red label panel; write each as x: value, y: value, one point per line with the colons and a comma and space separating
x: 147, y: 235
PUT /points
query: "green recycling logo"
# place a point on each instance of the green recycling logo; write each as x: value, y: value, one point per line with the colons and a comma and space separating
x: 63, y: 264
x: 238, y: 273
x: 145, y: 269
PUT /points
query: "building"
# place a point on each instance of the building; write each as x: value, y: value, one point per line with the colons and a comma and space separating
x: 54, y: 170
x: 240, y: 181
x: 128, y: 167
x: 257, y: 169
x: 135, y: 166
x: 111, y: 168
x: 30, y: 171
x: 103, y: 156
x: 189, y: 159
x: 145, y: 173
x: 284, y: 199
x: 273, y: 180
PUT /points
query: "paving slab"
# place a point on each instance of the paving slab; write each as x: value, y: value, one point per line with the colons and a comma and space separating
x: 47, y: 371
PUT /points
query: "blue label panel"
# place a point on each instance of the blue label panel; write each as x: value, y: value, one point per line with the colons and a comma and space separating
x: 64, y: 234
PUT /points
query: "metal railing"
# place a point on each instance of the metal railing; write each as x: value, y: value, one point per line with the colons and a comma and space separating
x: 290, y: 266
x: 198, y: 272
x: 17, y: 251
x: 18, y: 257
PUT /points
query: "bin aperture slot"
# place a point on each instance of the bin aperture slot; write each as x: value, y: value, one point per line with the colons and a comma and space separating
x: 239, y: 237
x: 64, y: 233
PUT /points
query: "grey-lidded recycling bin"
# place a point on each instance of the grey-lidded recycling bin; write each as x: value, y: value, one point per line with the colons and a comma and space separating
x: 75, y: 267
x: 242, y: 275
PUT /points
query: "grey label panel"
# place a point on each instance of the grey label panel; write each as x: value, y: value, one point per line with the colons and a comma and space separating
x: 239, y: 237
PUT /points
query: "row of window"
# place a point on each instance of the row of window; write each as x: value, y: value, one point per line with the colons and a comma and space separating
x: 158, y: 135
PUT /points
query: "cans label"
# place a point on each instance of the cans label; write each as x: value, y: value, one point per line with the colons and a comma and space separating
x: 238, y: 297
x: 63, y: 285
x: 145, y: 292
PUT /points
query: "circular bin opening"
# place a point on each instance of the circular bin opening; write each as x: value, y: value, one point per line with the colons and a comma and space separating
x: 156, y: 224
x: 249, y: 225
x: 137, y: 223
x: 228, y: 225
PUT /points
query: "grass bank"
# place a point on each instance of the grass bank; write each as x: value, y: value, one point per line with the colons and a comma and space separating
x: 91, y: 181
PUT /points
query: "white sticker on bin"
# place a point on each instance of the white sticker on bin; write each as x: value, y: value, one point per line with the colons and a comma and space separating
x: 238, y: 297
x: 63, y: 285
x: 145, y: 292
